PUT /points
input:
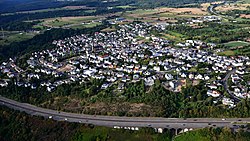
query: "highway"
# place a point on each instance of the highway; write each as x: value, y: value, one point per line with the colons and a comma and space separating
x: 111, y: 121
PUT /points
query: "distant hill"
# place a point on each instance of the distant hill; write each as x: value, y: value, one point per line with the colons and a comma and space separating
x: 24, y: 5
x: 157, y: 3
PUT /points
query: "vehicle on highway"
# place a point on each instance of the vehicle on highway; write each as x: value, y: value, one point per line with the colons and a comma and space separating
x: 50, y: 117
x: 117, y: 127
x: 65, y: 119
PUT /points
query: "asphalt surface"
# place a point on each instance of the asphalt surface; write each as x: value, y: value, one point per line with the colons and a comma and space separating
x: 212, y: 10
x: 226, y: 87
x: 111, y: 121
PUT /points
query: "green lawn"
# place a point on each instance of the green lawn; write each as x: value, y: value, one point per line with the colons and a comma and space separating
x: 89, y: 25
x: 125, y: 6
x: 227, y: 53
x: 14, y: 37
x: 177, y: 37
x: 63, y: 21
x: 246, y: 1
x: 236, y: 44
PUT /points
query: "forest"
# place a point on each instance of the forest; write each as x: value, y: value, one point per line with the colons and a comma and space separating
x: 7, y: 6
x: 212, y: 32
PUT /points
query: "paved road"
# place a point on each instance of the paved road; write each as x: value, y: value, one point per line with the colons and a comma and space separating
x: 226, y: 87
x: 111, y: 121
x: 212, y: 10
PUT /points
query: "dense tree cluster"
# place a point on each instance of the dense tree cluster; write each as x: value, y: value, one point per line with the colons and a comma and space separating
x: 15, y: 21
x: 237, y: 13
x: 213, y: 32
x: 26, y: 5
x: 172, y: 3
x: 214, y: 134
x: 19, y: 26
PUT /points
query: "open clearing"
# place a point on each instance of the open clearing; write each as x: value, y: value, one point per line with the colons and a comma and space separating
x: 245, y: 16
x: 64, y: 21
x: 109, y: 29
x: 230, y: 7
x: 66, y: 68
x: 87, y: 25
x: 204, y: 6
x: 194, y: 11
x: 173, y: 36
x: 236, y: 44
x: 164, y: 14
x: 244, y: 1
x: 14, y: 36
x: 227, y: 53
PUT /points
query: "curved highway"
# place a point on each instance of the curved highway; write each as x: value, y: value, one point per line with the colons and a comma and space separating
x: 112, y: 121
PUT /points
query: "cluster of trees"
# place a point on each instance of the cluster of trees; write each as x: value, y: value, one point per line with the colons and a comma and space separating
x: 243, y: 51
x: 192, y: 101
x: 236, y: 13
x: 15, y: 21
x: 16, y: 126
x: 216, y: 33
x: 19, y: 26
x: 214, y: 134
x: 158, y: 3
x: 6, y: 20
x: 7, y: 6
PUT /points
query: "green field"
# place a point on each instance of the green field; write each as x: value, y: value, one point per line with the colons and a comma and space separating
x: 227, y: 53
x: 11, y: 37
x: 236, y: 44
x: 124, y: 6
x: 174, y: 36
x: 69, y: 21
x: 87, y: 25
x: 213, y: 134
x: 246, y: 1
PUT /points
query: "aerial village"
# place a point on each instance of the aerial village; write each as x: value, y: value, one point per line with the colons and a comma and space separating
x: 131, y: 54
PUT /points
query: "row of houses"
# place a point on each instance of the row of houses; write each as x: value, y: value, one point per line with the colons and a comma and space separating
x: 129, y: 54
